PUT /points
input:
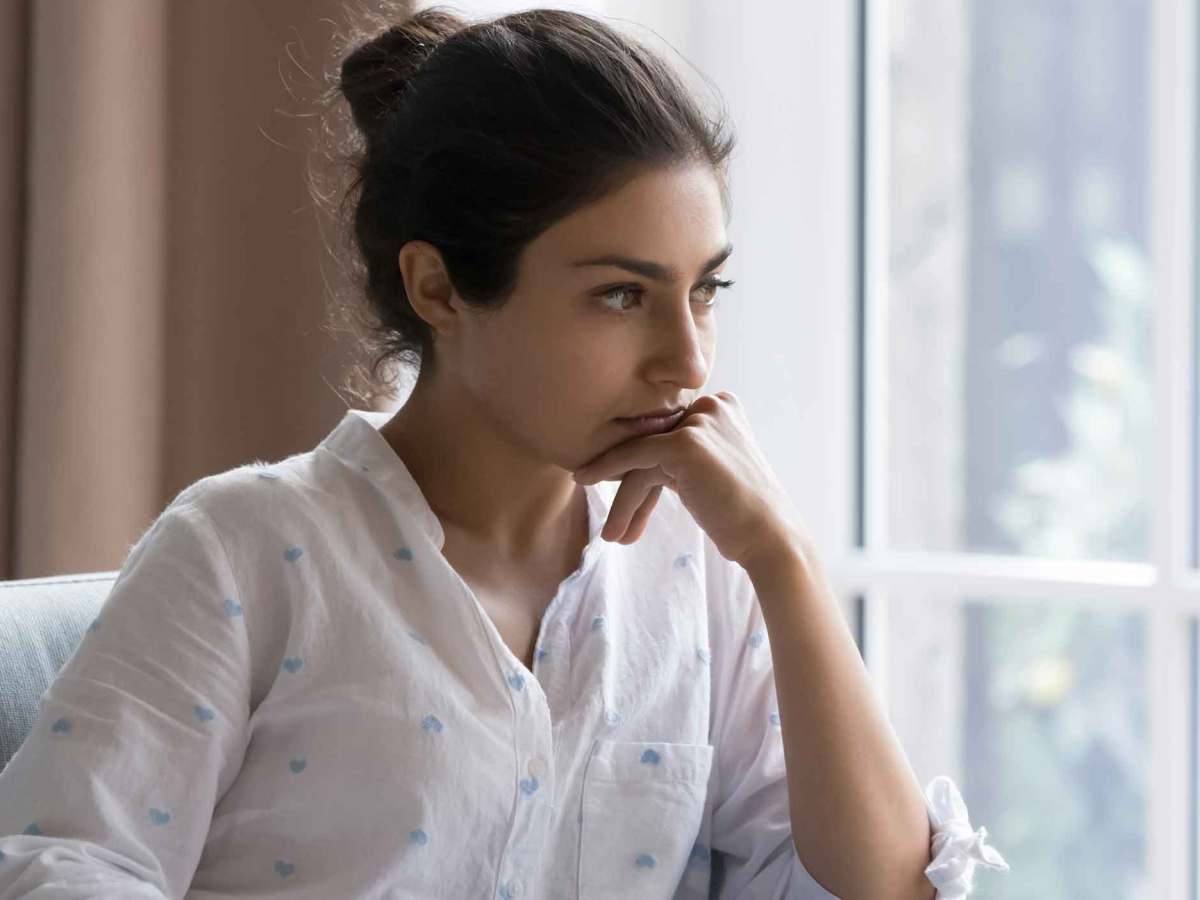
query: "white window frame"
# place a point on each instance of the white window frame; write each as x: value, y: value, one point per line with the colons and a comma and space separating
x: 1166, y: 588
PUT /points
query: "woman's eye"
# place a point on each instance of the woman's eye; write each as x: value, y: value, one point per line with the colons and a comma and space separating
x: 616, y: 294
x: 709, y: 287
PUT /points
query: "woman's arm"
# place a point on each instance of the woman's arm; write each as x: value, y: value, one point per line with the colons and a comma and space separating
x: 859, y: 819
x: 140, y: 733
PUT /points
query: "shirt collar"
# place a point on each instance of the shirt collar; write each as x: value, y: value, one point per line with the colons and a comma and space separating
x: 356, y: 440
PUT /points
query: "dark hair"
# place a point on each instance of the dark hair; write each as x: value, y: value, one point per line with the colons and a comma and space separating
x: 478, y: 137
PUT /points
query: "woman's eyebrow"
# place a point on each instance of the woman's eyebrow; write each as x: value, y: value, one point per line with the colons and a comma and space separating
x: 650, y: 269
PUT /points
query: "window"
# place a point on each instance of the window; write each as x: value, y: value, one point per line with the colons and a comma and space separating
x: 1028, y: 462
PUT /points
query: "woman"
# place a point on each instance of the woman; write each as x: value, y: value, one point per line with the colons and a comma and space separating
x: 474, y: 649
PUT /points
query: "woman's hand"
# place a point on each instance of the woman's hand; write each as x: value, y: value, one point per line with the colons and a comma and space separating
x: 711, y: 460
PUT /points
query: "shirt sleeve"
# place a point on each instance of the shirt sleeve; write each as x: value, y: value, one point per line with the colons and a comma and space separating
x: 139, y: 734
x: 957, y: 848
x: 753, y: 855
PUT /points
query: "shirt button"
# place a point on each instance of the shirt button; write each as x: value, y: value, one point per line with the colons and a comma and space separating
x: 537, y: 767
x: 515, y: 887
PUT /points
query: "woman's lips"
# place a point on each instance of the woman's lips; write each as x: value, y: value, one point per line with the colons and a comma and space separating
x: 652, y: 424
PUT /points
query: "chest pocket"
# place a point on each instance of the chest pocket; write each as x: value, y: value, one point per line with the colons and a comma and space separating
x: 642, y: 805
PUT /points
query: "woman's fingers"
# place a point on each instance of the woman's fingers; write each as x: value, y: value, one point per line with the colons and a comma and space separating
x: 636, y: 487
x: 638, y: 523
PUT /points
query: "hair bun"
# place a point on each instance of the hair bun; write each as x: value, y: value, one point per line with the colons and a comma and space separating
x: 375, y: 75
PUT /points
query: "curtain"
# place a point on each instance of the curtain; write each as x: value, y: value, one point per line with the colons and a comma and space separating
x: 163, y: 274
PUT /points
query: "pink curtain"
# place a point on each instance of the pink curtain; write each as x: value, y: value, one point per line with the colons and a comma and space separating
x: 162, y: 269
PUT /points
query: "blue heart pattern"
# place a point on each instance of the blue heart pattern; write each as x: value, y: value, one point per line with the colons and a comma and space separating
x: 293, y: 664
x: 429, y: 723
x: 756, y: 639
x: 774, y: 717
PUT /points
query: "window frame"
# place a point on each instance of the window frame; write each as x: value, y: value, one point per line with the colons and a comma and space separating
x: 1166, y: 588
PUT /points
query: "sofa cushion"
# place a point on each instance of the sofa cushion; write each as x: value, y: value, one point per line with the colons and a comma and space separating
x: 42, y: 621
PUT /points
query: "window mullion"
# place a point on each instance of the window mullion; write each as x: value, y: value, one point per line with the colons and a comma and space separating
x: 1169, y: 841
x: 1173, y: 242
x: 874, y: 424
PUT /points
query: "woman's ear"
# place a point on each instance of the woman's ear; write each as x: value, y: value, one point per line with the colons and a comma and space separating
x: 428, y: 287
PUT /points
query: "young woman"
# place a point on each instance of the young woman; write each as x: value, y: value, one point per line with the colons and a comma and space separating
x: 475, y: 649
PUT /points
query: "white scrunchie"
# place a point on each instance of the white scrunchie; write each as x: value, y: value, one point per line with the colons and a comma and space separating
x: 956, y: 848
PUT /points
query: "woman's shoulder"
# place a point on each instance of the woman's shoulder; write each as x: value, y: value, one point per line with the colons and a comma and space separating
x: 260, y: 495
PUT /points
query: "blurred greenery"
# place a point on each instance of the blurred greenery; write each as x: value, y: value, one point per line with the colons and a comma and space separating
x: 1062, y: 689
x: 1065, y: 796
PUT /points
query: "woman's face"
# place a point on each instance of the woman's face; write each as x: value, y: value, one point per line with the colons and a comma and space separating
x: 555, y: 365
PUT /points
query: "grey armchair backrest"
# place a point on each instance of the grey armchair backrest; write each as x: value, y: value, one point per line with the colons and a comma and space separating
x: 42, y: 621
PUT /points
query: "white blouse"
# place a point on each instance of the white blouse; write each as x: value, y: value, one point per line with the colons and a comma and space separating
x: 289, y: 692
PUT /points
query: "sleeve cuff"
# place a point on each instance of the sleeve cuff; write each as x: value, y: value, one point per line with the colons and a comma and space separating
x: 956, y: 848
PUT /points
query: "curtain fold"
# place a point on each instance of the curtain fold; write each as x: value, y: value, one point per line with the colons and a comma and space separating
x: 14, y: 39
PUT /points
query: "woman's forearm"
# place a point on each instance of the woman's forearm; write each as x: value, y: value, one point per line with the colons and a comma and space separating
x: 858, y: 816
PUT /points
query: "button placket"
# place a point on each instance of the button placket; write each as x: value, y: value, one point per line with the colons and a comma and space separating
x: 537, y: 768
x: 534, y: 748
x: 552, y: 655
x: 534, y: 788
